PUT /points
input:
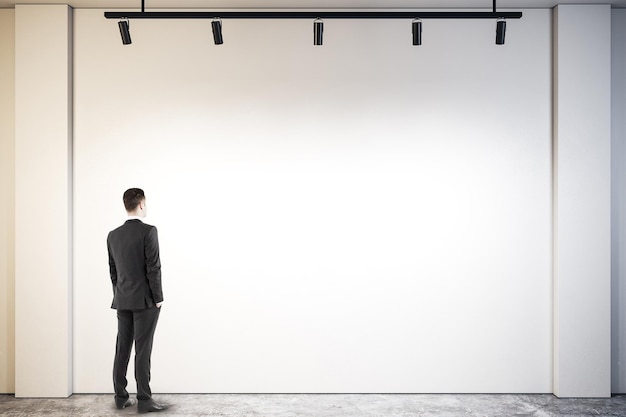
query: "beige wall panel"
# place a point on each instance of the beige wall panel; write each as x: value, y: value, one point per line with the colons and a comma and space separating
x: 43, y: 201
x: 7, y: 201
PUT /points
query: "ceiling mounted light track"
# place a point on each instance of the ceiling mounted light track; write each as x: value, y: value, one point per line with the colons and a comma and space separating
x: 318, y: 25
x: 313, y: 15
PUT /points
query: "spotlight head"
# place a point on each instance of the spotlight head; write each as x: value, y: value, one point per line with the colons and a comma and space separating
x: 417, y: 31
x: 216, y: 26
x: 125, y: 31
x: 318, y: 31
x: 500, y: 31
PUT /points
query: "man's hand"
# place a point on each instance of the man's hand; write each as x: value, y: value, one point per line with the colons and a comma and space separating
x: 159, y: 304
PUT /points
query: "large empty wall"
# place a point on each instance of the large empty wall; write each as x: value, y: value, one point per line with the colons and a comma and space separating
x: 366, y: 216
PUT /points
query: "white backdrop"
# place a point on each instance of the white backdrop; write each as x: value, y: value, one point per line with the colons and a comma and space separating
x: 366, y: 216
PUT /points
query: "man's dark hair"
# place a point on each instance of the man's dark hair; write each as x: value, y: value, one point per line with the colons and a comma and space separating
x: 132, y: 198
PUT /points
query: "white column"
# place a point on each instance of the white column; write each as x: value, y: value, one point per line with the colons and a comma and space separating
x: 582, y: 228
x: 7, y: 201
x: 43, y: 200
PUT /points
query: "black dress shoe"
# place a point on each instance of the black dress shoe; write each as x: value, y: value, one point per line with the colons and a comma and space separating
x: 123, y: 403
x: 150, y: 406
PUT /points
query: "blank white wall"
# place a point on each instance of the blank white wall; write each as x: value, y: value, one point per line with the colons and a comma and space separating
x: 362, y: 217
x: 618, y: 183
x: 7, y: 202
x: 582, y: 201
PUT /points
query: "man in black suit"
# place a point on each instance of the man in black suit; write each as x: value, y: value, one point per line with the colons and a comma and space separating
x: 135, y: 269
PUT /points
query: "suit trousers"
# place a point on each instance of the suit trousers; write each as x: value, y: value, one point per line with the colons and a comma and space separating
x: 134, y: 326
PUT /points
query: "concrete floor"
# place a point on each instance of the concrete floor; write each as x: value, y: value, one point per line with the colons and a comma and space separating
x: 325, y: 405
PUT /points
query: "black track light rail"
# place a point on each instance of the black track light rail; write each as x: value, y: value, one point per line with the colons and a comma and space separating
x: 313, y: 15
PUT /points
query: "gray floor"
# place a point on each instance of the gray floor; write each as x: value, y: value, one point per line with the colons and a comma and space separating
x: 318, y: 405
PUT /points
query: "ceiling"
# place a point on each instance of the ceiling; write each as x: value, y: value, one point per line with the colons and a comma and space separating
x: 312, y: 4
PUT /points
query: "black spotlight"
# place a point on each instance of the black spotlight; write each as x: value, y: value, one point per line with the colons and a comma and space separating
x: 216, y: 25
x: 125, y: 32
x: 500, y: 31
x: 417, y: 32
x: 318, y: 31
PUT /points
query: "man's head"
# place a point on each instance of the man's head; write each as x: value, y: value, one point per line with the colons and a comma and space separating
x: 135, y: 202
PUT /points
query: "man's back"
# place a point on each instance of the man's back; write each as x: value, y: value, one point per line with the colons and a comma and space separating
x: 135, y: 266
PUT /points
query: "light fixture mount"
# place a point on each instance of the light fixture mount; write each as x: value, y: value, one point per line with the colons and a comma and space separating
x: 124, y: 26
x: 216, y: 27
x: 417, y: 31
x: 318, y: 31
x: 500, y: 31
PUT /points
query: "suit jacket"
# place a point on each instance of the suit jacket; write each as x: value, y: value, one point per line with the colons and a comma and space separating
x: 135, y: 266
